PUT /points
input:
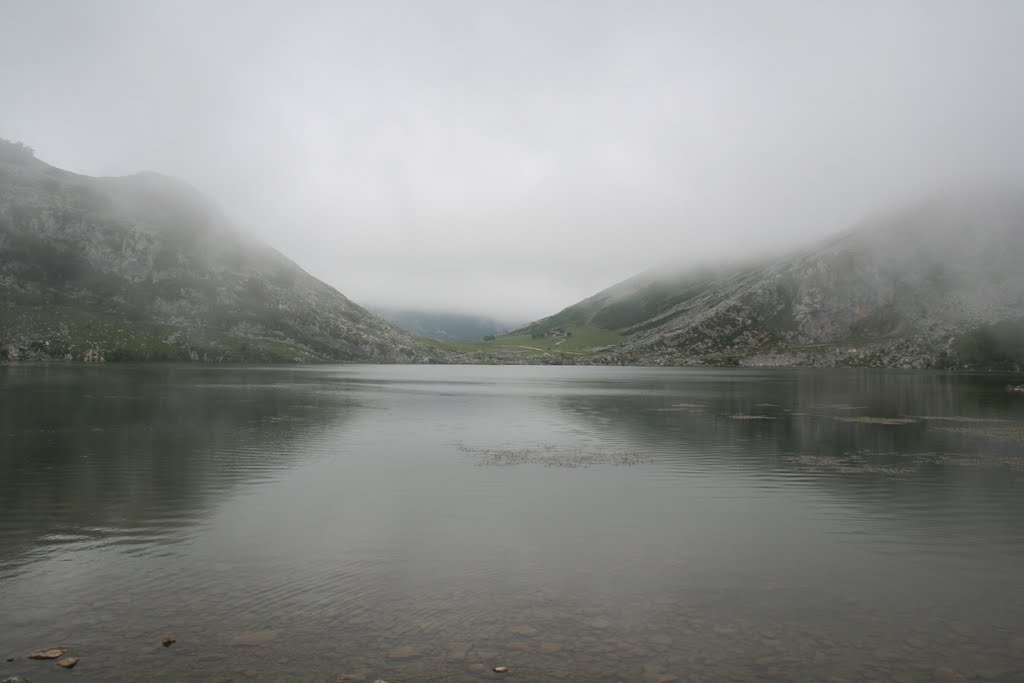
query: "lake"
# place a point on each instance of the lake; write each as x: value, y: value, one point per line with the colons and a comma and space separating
x: 570, y: 523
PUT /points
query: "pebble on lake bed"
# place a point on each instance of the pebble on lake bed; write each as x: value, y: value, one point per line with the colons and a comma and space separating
x: 68, y: 663
x: 52, y: 653
x: 500, y: 669
x: 167, y: 641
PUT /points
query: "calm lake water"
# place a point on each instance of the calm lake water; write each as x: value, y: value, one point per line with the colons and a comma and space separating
x: 571, y: 523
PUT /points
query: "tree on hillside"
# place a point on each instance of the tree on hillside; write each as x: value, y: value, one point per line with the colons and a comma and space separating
x: 15, y: 151
x: 999, y: 346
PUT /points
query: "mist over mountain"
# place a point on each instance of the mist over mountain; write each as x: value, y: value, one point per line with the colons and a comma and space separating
x: 144, y: 267
x: 910, y: 288
x: 539, y: 151
x: 450, y: 327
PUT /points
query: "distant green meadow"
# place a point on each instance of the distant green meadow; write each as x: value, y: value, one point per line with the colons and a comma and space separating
x: 582, y: 340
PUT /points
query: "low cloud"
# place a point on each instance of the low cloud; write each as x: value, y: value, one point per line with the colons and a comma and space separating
x: 510, y: 158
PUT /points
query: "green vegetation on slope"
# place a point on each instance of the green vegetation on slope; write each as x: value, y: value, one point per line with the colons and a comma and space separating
x: 993, y: 347
x: 580, y: 341
x: 633, y: 302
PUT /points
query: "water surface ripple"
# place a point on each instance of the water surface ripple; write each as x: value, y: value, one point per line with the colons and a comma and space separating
x: 571, y: 523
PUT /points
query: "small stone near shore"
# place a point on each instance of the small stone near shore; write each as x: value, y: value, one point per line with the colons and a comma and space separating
x: 10, y: 659
x: 500, y: 669
x: 167, y: 641
x: 68, y: 663
x: 52, y: 653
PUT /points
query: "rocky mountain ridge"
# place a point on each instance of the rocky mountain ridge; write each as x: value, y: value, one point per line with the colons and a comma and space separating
x: 144, y: 267
x: 903, y: 289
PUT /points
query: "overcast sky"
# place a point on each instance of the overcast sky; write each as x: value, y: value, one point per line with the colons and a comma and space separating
x: 510, y: 158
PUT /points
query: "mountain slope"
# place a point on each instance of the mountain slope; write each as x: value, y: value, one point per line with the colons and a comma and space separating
x: 630, y: 302
x: 145, y: 268
x: 901, y: 290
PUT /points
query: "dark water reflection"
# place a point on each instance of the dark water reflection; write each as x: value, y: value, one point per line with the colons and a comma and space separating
x: 300, y: 524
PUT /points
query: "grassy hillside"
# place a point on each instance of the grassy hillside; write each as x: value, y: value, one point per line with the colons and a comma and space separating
x: 629, y: 303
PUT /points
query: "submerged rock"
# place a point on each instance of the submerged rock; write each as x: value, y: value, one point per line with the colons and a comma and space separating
x: 68, y: 663
x: 524, y: 630
x: 167, y: 641
x: 52, y: 653
x: 500, y: 669
x: 405, y: 652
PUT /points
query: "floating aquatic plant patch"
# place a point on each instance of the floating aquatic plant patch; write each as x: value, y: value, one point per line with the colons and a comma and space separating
x: 553, y: 456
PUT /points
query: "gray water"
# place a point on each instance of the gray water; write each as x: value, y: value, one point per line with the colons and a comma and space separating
x: 571, y: 523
